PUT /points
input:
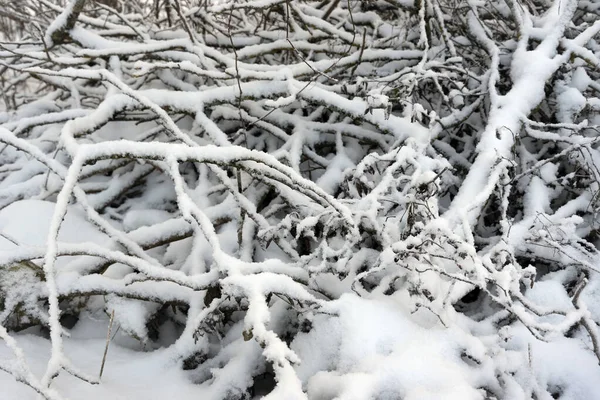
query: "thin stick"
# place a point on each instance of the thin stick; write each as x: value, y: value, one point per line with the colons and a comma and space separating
x: 110, y: 324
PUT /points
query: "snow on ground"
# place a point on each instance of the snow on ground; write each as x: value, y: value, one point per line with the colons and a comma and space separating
x: 373, y: 349
x: 128, y: 374
x: 27, y: 223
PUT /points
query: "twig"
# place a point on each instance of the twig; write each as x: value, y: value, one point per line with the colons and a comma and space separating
x: 110, y: 324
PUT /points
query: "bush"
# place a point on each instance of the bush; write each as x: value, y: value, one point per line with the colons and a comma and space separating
x: 337, y: 199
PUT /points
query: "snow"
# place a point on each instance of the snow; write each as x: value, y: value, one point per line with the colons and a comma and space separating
x: 127, y: 374
x: 372, y: 349
x: 300, y: 200
x: 136, y: 219
x: 26, y: 223
x: 548, y: 361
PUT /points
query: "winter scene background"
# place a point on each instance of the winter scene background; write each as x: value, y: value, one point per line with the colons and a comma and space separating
x: 300, y: 199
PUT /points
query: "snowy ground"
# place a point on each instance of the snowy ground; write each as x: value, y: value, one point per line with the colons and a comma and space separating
x: 128, y: 374
x: 373, y: 350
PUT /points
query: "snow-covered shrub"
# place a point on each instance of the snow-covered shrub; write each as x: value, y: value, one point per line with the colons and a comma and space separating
x: 299, y: 199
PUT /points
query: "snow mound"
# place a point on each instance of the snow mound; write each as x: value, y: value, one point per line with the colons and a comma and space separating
x: 373, y: 350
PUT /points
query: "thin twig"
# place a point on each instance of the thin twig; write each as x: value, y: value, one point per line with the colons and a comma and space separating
x: 110, y: 324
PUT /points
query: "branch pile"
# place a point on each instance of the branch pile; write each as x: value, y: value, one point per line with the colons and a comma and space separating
x: 249, y: 172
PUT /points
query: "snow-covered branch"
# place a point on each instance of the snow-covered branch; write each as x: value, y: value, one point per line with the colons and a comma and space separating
x: 249, y: 186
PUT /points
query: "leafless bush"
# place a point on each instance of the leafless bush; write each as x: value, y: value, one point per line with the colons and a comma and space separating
x: 431, y: 151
